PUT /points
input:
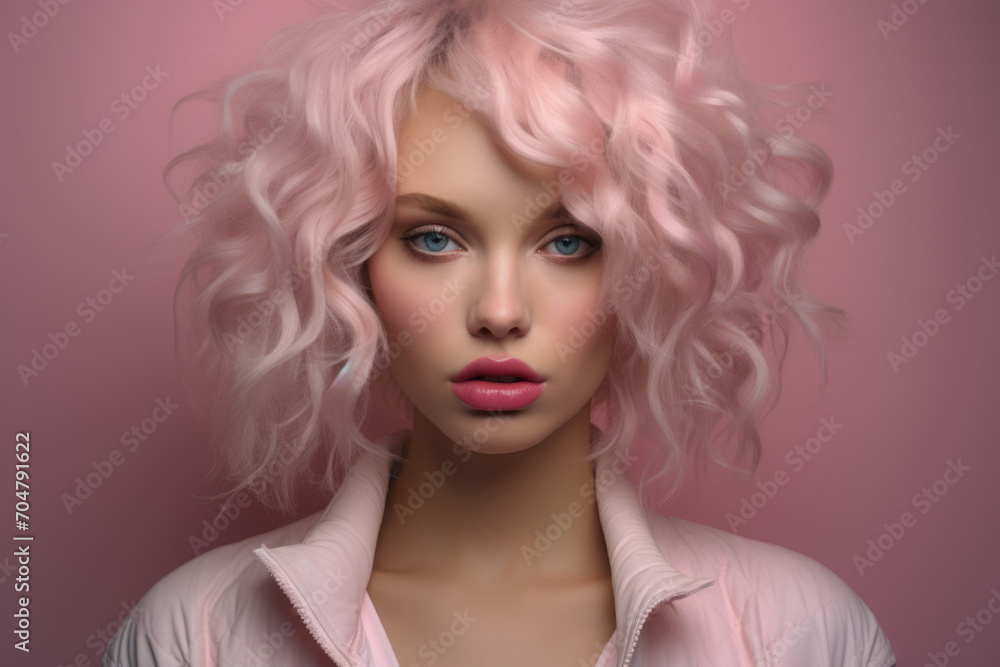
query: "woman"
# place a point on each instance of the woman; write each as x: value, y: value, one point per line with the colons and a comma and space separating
x: 522, y: 211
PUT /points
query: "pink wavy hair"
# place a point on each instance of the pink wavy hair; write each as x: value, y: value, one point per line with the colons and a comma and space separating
x: 705, y: 211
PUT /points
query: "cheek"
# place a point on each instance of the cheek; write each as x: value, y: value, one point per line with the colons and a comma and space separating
x: 577, y: 315
x: 395, y: 295
x: 395, y: 305
x: 582, y: 329
x: 414, y: 309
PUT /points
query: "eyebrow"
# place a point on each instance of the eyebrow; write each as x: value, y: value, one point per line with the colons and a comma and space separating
x: 449, y: 209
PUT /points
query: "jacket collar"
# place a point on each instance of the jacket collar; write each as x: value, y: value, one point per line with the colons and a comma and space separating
x: 326, y: 575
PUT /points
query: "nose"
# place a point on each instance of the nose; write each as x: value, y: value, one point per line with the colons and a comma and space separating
x: 498, y: 306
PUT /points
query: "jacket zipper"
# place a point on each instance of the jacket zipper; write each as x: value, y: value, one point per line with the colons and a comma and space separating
x: 304, y: 612
x: 638, y: 627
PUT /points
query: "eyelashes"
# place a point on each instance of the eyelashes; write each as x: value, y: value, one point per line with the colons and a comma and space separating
x: 436, y: 235
x: 423, y: 236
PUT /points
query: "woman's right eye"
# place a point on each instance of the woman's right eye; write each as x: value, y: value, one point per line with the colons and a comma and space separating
x: 427, y: 243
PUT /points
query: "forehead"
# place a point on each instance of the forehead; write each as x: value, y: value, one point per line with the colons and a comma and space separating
x: 445, y: 148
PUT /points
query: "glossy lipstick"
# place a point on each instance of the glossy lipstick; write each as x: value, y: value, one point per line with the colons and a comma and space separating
x: 497, y: 384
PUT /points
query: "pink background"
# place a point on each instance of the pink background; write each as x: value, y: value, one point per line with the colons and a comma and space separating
x: 61, y: 242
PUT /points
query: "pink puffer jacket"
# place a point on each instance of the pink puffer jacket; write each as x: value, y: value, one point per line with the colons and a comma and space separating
x: 685, y: 594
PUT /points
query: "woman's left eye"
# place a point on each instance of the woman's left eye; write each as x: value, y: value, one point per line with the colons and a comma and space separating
x: 568, y: 245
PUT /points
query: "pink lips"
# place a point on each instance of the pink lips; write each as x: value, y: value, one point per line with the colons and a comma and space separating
x: 485, y: 384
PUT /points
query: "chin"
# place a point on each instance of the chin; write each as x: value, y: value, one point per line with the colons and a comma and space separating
x: 500, y: 432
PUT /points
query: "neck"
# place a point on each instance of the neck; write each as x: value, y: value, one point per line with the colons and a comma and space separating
x: 493, y: 518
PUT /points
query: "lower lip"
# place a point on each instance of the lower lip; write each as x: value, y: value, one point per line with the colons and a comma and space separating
x: 497, y: 396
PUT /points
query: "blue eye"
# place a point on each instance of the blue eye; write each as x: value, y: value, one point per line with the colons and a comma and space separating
x: 434, y: 241
x: 571, y: 247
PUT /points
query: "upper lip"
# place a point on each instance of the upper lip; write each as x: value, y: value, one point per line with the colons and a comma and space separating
x: 489, y: 366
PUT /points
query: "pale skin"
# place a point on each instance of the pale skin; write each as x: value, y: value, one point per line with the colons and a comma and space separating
x: 515, y: 291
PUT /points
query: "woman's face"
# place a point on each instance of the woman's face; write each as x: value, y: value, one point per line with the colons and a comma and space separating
x: 481, y: 262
